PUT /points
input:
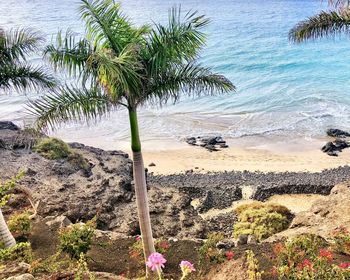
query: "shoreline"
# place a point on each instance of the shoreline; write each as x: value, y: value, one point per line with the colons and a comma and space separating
x: 241, y: 159
x: 172, y: 156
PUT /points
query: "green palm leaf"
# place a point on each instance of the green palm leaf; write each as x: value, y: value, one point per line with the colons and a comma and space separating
x: 23, y: 76
x: 324, y: 24
x: 192, y: 79
x: 69, y: 53
x: 17, y: 43
x: 70, y: 104
x: 180, y: 40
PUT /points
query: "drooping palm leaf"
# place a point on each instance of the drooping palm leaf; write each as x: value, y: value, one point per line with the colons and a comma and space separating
x: 69, y: 53
x: 321, y: 25
x: 70, y: 104
x: 17, y: 44
x: 191, y: 79
x: 23, y: 76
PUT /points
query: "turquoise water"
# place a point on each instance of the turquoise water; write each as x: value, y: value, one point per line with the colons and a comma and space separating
x: 283, y: 90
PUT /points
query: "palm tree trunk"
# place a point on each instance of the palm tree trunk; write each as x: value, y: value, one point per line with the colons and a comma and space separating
x: 140, y: 188
x: 5, y: 235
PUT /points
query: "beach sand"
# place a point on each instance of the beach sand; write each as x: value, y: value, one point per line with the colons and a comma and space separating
x: 266, y: 158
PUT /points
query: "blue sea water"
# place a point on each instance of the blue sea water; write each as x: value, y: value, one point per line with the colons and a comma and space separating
x: 283, y: 90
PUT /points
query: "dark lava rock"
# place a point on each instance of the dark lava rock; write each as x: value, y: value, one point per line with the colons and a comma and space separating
x: 331, y: 148
x: 222, y: 223
x: 333, y: 132
x: 210, y: 143
x: 8, y: 125
x: 226, y: 186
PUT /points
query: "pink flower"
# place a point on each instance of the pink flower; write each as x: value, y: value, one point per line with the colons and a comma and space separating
x: 229, y: 255
x: 324, y: 253
x: 344, y: 265
x: 186, y: 267
x: 138, y: 238
x: 156, y: 261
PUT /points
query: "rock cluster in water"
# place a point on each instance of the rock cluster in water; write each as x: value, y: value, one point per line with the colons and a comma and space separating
x: 332, y: 148
x: 212, y: 144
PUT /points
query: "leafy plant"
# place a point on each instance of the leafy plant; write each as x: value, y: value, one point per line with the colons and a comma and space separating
x: 341, y: 237
x: 77, y: 239
x: 20, y: 224
x: 82, y: 271
x: 15, y: 72
x: 307, y: 257
x: 261, y: 220
x: 53, y: 148
x: 7, y: 186
x: 18, y: 252
x: 253, y: 271
x: 208, y: 252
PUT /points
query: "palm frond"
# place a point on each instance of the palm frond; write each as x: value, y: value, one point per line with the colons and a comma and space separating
x: 70, y: 104
x: 69, y: 53
x: 339, y: 3
x: 105, y: 23
x: 22, y: 76
x: 321, y: 25
x: 15, y: 44
x: 119, y: 74
x: 180, y: 40
x: 192, y: 79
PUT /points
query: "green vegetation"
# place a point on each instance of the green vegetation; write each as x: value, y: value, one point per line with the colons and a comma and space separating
x: 307, y: 257
x: 53, y: 148
x: 341, y: 237
x: 120, y: 64
x: 20, y: 224
x: 208, y: 251
x: 77, y: 239
x: 261, y: 220
x: 330, y: 23
x: 253, y: 270
x: 18, y: 252
x: 15, y: 72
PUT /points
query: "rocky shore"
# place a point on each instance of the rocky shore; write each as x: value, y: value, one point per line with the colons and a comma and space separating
x: 105, y: 189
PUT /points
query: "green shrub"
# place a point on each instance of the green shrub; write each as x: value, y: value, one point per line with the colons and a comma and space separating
x: 20, y: 224
x: 53, y: 148
x: 82, y: 271
x: 208, y: 251
x: 253, y: 270
x: 7, y: 186
x: 76, y: 239
x: 18, y: 252
x: 261, y: 220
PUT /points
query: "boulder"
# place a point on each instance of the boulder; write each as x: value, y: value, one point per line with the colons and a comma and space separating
x: 12, y: 269
x: 333, y: 132
x: 26, y: 276
x: 325, y: 215
x: 57, y: 222
x: 8, y: 125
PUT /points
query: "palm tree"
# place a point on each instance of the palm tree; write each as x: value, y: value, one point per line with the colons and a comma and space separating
x: 120, y: 65
x: 324, y: 24
x: 15, y: 73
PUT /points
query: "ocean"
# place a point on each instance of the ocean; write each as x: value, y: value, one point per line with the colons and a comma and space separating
x: 284, y: 91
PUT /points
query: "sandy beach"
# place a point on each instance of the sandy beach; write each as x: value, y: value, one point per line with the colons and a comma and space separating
x: 267, y: 158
